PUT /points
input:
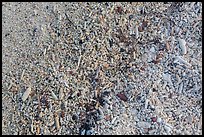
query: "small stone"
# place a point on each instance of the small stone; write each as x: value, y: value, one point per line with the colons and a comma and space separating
x: 167, y: 46
x: 80, y: 42
x: 154, y: 119
x: 119, y: 10
x: 130, y: 17
x: 122, y: 97
x: 74, y: 117
x: 122, y: 50
x: 107, y: 117
x: 144, y: 23
x: 140, y: 28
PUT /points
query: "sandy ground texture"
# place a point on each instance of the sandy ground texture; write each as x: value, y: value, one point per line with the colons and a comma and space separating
x: 102, y: 68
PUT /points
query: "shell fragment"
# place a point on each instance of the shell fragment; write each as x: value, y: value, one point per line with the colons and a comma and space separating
x: 54, y: 96
x: 182, y: 44
x: 167, y: 77
x: 26, y: 94
x: 181, y: 60
x: 144, y: 124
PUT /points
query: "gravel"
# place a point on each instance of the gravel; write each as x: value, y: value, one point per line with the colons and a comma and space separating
x: 106, y: 68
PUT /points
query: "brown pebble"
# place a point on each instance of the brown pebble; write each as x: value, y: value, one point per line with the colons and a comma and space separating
x: 106, y: 65
x: 156, y: 61
x: 142, y: 68
x: 14, y: 89
x: 140, y: 29
x: 119, y: 10
x: 122, y: 97
x: 159, y: 56
x: 154, y: 119
x: 144, y: 23
x: 62, y: 114
x: 107, y: 117
x: 167, y: 46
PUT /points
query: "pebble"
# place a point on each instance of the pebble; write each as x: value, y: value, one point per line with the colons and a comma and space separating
x: 154, y: 119
x: 130, y: 17
x: 122, y: 96
x: 88, y: 33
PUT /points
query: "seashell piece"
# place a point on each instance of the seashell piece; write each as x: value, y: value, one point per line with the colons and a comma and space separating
x: 152, y: 132
x: 180, y: 89
x: 57, y: 122
x: 113, y: 120
x: 167, y: 46
x: 100, y: 112
x: 181, y: 60
x: 54, y: 96
x: 146, y: 103
x: 61, y: 93
x: 134, y: 55
x: 182, y: 44
x: 83, y: 132
x: 46, y: 131
x: 144, y: 124
x: 44, y: 52
x: 159, y: 120
x: 38, y: 130
x: 22, y: 74
x: 32, y: 128
x: 167, y: 77
x: 89, y: 132
x: 152, y: 49
x: 26, y: 94
x: 137, y: 32
x: 162, y: 37
x: 168, y: 128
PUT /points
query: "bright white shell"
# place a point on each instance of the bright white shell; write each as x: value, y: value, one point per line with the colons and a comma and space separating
x: 182, y: 44
x: 181, y: 60
x: 136, y: 32
x: 144, y: 124
x: 26, y: 94
x: 54, y: 96
x: 167, y: 77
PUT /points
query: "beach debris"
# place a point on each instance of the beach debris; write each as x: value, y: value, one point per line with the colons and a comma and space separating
x: 182, y: 44
x: 26, y: 93
x: 122, y: 96
x: 144, y: 124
